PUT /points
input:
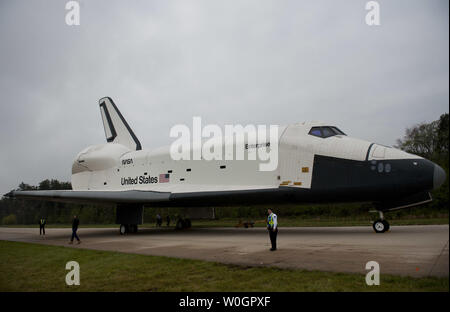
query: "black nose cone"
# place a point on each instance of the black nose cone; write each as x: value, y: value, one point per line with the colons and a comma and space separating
x: 439, y: 177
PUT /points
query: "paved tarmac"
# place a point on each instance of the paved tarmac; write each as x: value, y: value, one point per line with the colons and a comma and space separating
x: 404, y: 250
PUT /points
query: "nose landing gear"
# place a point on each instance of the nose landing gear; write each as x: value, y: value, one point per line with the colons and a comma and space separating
x: 381, y: 225
x: 183, y: 224
x: 128, y: 228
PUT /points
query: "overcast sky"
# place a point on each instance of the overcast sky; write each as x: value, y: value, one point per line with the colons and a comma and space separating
x: 258, y: 62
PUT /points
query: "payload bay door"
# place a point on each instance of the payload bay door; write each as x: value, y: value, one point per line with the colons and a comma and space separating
x: 296, y: 167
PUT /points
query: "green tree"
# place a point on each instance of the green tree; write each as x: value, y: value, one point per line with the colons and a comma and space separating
x: 442, y: 136
x: 10, y: 219
x: 420, y: 140
x: 430, y: 140
x: 26, y: 187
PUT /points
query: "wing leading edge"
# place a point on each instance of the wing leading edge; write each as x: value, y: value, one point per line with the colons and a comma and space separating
x: 112, y: 197
x: 208, y: 198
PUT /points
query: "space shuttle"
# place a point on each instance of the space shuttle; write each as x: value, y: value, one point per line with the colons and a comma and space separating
x: 317, y: 162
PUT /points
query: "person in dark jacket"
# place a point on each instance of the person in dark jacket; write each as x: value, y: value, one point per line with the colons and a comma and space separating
x: 158, y: 220
x: 168, y: 220
x: 42, y: 223
x: 75, y: 224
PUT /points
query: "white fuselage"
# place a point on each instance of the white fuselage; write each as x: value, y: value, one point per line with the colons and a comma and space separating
x: 114, y: 167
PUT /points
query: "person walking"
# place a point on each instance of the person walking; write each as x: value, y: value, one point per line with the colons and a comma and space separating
x: 42, y: 223
x: 272, y: 227
x: 158, y: 220
x: 75, y: 223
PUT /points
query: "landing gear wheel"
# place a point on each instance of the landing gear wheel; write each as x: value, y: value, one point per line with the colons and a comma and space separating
x: 386, y: 225
x: 133, y: 228
x: 123, y: 229
x: 183, y: 224
x: 379, y: 226
x: 180, y: 224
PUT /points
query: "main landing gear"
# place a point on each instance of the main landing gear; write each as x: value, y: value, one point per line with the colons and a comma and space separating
x: 183, y: 224
x: 380, y: 225
x: 128, y: 228
x: 129, y: 216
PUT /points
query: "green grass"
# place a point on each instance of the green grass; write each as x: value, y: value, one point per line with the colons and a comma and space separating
x: 34, y: 267
x: 286, y: 221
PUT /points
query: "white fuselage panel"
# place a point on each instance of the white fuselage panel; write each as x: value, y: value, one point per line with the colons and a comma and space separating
x: 114, y: 167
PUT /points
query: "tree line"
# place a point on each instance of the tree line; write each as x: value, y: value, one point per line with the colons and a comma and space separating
x: 429, y: 140
x: 17, y: 211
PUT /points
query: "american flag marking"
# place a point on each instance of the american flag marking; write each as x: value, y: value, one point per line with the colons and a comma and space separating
x: 164, y: 178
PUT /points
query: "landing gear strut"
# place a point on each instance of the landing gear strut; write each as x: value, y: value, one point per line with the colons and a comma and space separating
x: 129, y: 216
x: 380, y: 225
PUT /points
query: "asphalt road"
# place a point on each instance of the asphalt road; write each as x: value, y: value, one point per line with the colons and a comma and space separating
x: 404, y: 250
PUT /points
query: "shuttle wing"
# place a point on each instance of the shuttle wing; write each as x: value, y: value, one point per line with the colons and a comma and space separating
x: 112, y: 197
x: 189, y: 198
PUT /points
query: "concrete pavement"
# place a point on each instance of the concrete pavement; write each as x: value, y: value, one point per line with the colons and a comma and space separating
x: 404, y: 250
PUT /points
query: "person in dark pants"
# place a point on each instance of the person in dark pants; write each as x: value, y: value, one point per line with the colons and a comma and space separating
x: 42, y: 223
x: 158, y: 220
x: 168, y: 220
x: 272, y: 227
x: 75, y: 224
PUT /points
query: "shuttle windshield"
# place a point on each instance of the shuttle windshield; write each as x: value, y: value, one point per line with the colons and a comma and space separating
x: 325, y: 132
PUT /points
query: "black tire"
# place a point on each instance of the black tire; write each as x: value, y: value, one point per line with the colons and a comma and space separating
x: 123, y: 229
x: 379, y: 226
x: 387, y: 226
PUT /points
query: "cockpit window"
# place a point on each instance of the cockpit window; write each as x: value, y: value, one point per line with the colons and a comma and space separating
x: 316, y: 131
x: 325, y: 132
x: 337, y: 131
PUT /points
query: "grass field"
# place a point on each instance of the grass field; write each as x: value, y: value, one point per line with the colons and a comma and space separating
x: 34, y: 267
x: 289, y: 222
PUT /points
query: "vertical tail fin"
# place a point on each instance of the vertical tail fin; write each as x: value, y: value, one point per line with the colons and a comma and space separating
x: 116, y: 127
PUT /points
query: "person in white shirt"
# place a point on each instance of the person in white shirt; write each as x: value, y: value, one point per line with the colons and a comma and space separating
x: 272, y: 227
